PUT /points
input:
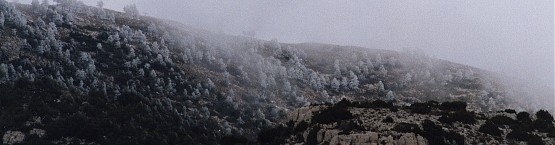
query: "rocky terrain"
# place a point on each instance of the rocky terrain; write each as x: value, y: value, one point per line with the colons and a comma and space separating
x: 76, y: 74
x: 378, y: 122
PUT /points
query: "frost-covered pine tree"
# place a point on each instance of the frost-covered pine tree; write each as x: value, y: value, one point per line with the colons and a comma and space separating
x: 335, y: 84
x: 337, y: 69
x: 390, y: 96
x: 345, y: 83
x: 35, y: 4
x: 100, y: 4
x: 381, y: 86
x: 210, y: 84
x: 263, y: 79
x: 353, y: 83
x: 382, y: 70
x: 131, y: 10
x: 2, y: 20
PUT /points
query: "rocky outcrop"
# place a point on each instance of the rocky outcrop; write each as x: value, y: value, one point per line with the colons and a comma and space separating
x: 372, y: 138
x: 433, y: 123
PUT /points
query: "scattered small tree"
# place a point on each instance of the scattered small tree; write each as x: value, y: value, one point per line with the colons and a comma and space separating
x: 131, y: 10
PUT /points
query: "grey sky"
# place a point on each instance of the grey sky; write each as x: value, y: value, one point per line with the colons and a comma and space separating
x: 515, y: 37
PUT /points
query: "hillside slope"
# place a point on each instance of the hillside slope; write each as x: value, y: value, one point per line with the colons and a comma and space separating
x: 71, y: 73
x: 378, y: 122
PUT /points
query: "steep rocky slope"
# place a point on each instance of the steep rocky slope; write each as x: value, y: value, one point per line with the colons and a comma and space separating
x: 75, y: 74
x: 378, y: 122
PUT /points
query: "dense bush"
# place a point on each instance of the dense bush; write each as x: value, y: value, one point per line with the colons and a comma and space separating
x: 374, y: 104
x: 453, y: 106
x: 458, y: 116
x: 523, y: 117
x: 234, y: 140
x: 312, y: 138
x: 302, y: 126
x: 423, y: 108
x: 544, y: 115
x: 523, y: 136
x: 518, y: 135
x: 388, y: 120
x: 333, y: 114
x: 437, y: 136
x: 275, y: 135
x: 490, y: 128
x: 502, y: 120
x: 510, y: 111
x: 407, y: 128
x: 346, y: 126
x: 543, y: 125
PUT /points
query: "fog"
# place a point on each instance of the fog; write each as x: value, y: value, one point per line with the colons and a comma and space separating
x: 511, y: 37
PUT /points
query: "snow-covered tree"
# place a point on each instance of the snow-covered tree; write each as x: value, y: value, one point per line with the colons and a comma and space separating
x: 263, y: 79
x: 35, y: 4
x: 337, y: 69
x: 99, y: 46
x: 390, y: 96
x: 381, y: 86
x: 335, y: 84
x: 210, y: 84
x: 345, y: 83
x: 353, y: 83
x: 287, y: 86
x: 131, y: 10
x: 382, y: 70
x: 45, y: 3
x: 2, y: 19
x: 100, y: 4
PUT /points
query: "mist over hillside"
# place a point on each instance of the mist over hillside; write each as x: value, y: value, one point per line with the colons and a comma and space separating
x: 71, y: 73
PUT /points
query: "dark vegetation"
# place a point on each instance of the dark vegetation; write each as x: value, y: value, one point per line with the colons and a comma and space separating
x: 407, y: 128
x: 334, y: 113
x: 88, y: 75
x: 437, y: 136
x: 490, y: 128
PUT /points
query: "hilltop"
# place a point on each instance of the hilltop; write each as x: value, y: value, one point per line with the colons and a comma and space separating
x: 75, y: 74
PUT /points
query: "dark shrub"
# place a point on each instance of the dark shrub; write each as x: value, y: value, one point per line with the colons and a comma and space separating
x: 333, y: 114
x: 233, y: 140
x: 436, y: 136
x: 347, y: 126
x: 382, y: 104
x: 388, y: 120
x: 375, y: 104
x: 433, y: 133
x: 302, y: 126
x: 458, y: 138
x: 459, y: 116
x: 502, y: 120
x: 544, y: 115
x: 535, y: 140
x: 453, y: 106
x: 510, y: 111
x: 543, y: 125
x: 422, y: 108
x: 274, y: 135
x: 394, y: 109
x: 407, y: 128
x: 490, y: 128
x: 523, y: 116
x: 518, y: 135
x: 312, y: 138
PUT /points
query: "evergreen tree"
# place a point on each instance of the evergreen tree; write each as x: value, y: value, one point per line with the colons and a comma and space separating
x: 335, y: 84
x: 131, y: 10
x: 353, y: 83
x: 2, y: 19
